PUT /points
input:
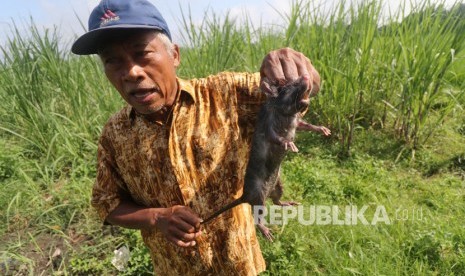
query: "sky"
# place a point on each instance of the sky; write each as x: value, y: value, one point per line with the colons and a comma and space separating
x: 65, y: 14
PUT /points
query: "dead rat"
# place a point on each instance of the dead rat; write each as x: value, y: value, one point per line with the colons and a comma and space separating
x: 274, y: 134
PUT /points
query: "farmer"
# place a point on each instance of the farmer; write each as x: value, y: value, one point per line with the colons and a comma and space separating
x: 179, y: 149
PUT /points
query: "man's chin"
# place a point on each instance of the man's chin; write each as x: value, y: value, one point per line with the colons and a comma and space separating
x: 153, y: 112
x: 149, y: 110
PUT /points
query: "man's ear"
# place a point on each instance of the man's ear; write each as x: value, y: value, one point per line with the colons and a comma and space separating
x: 176, y: 56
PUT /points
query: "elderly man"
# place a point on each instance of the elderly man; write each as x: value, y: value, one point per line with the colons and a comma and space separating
x: 179, y: 149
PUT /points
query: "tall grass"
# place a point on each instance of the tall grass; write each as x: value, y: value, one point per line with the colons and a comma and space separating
x: 54, y: 104
x: 376, y: 71
x: 428, y: 44
x: 398, y: 80
x: 53, y: 108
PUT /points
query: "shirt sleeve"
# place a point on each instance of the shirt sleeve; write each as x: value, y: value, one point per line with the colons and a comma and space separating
x: 248, y: 93
x: 107, y: 191
x: 249, y: 97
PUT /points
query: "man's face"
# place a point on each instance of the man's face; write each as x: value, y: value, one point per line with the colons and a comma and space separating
x: 143, y: 71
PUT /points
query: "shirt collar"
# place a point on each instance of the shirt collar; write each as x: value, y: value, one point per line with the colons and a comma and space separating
x: 185, y: 86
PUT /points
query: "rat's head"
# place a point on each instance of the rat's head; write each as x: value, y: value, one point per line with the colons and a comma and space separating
x: 292, y: 98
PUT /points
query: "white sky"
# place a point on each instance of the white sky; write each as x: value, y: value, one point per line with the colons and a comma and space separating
x: 65, y: 13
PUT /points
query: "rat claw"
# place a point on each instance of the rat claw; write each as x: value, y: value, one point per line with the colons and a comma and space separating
x: 266, y: 232
x: 289, y: 145
x: 293, y: 147
x: 270, y: 237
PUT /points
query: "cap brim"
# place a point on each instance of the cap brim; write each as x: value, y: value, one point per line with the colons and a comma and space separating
x: 90, y: 42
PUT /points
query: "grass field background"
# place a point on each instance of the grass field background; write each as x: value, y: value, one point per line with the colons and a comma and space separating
x: 392, y: 94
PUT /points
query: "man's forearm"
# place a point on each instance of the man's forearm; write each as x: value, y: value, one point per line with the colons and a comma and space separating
x: 131, y: 215
x: 179, y: 224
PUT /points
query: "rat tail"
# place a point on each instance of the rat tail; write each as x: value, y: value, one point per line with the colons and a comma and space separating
x: 225, y: 208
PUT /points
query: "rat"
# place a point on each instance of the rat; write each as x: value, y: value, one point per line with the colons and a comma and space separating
x: 274, y: 134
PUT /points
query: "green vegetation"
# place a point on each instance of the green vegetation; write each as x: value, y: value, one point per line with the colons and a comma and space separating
x: 393, y: 96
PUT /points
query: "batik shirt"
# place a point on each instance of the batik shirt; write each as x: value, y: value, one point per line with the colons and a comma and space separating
x: 197, y: 159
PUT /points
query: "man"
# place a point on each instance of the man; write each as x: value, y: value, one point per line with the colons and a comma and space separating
x: 178, y: 151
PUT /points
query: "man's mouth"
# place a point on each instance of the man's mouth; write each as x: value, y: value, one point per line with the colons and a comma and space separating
x: 143, y: 95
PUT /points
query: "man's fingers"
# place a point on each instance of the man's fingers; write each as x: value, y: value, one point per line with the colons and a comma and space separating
x: 303, y: 65
x: 289, y: 68
x: 182, y: 238
x: 187, y: 218
x: 184, y: 226
x: 181, y: 226
x: 179, y: 234
x: 286, y: 65
x: 272, y: 69
x: 181, y: 243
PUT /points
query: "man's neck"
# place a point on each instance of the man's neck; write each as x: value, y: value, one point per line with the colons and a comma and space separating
x: 162, y: 116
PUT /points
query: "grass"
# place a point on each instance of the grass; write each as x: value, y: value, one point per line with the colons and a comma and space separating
x: 392, y: 95
x: 425, y: 234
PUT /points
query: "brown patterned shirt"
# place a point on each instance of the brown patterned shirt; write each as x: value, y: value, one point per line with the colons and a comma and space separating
x: 198, y: 159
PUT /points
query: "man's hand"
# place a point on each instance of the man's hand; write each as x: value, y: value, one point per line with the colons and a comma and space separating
x: 179, y: 224
x: 285, y: 65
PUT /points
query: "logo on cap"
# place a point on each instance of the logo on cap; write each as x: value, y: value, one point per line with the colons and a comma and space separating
x: 108, y: 17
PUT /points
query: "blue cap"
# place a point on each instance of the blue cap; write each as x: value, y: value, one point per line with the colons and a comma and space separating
x: 111, y: 16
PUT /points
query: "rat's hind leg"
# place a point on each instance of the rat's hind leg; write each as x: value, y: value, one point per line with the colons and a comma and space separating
x: 277, y: 193
x: 265, y: 231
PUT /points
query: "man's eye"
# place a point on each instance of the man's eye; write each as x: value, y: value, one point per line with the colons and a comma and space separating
x: 111, y: 61
x: 142, y: 53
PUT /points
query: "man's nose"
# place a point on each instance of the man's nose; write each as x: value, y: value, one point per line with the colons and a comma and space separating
x: 133, y: 71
